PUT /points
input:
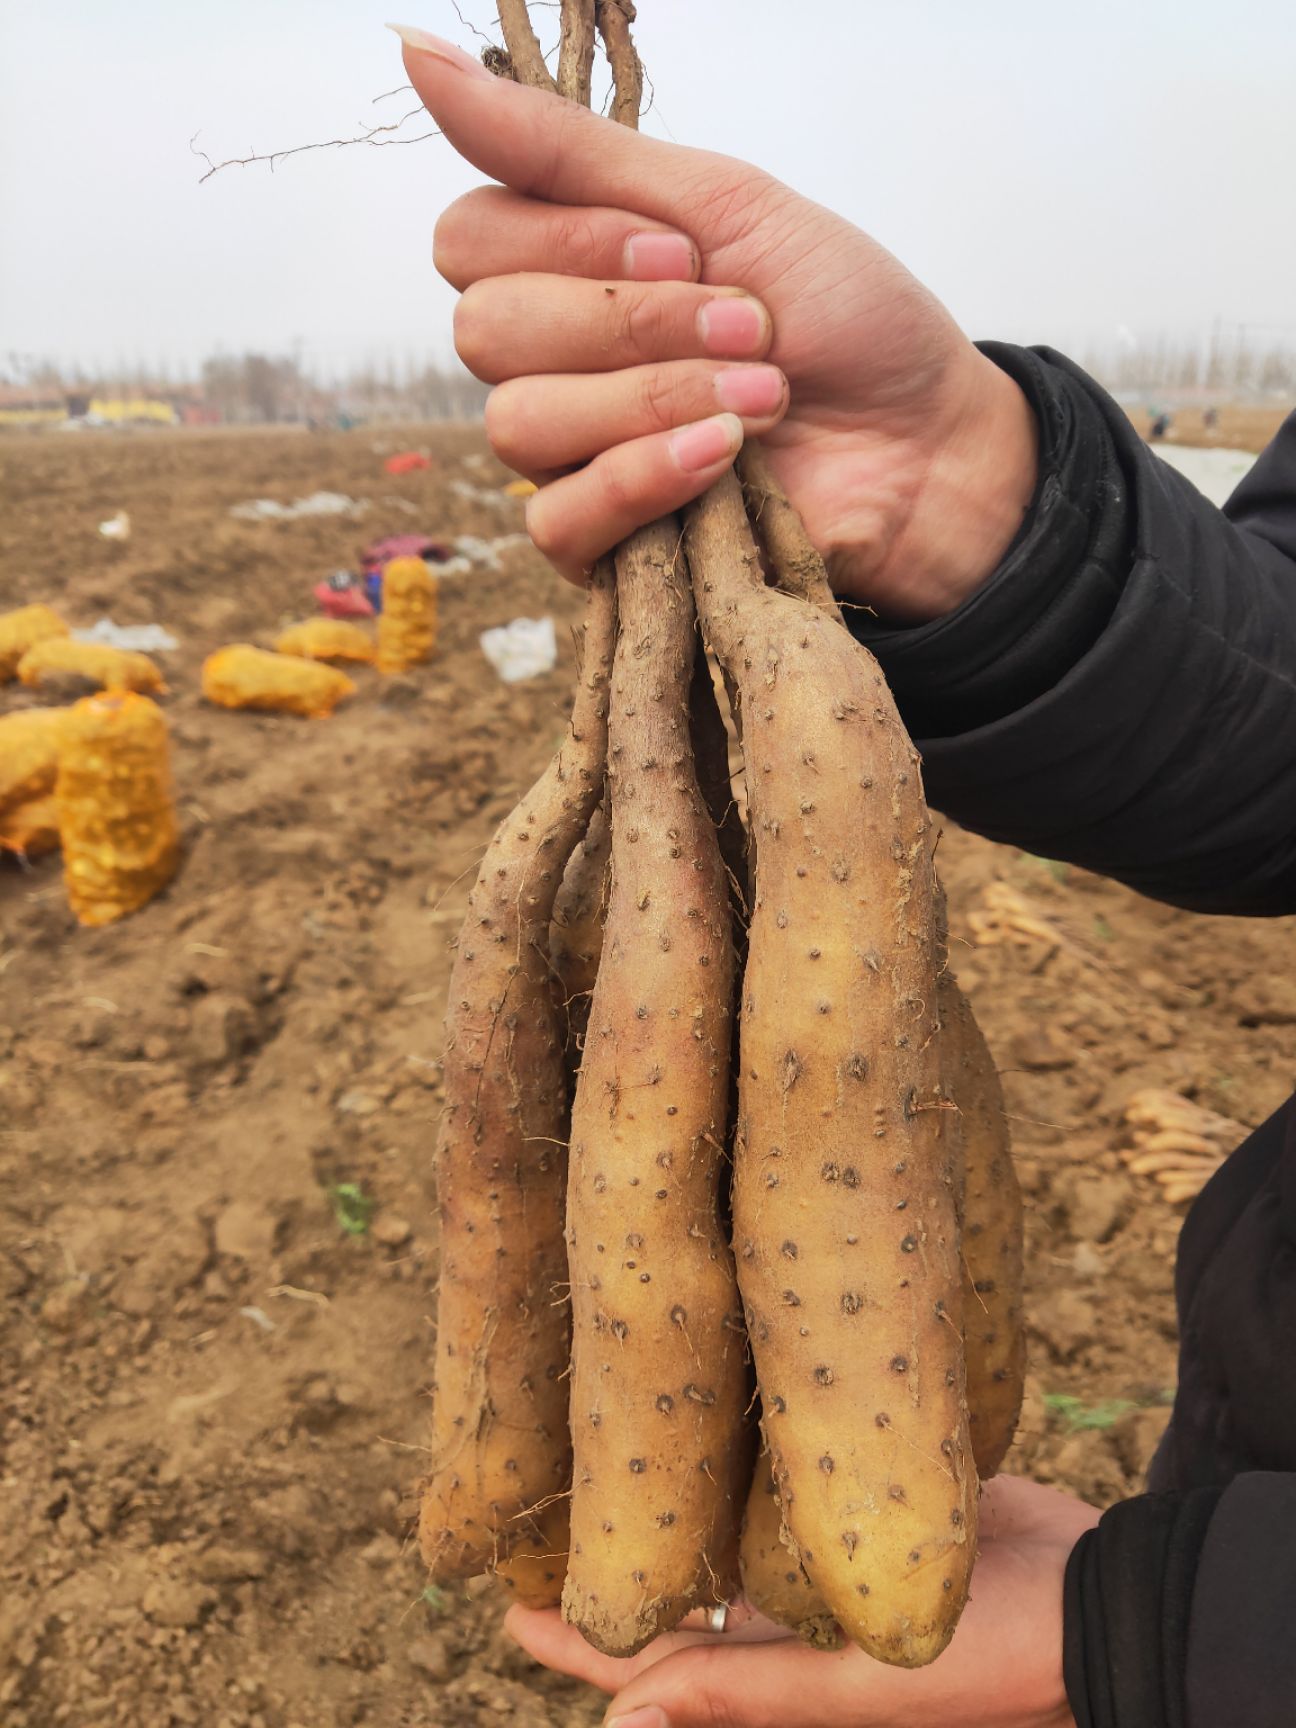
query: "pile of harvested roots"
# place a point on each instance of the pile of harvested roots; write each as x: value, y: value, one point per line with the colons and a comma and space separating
x: 731, y: 1242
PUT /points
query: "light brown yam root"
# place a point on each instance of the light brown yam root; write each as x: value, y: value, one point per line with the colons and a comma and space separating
x: 844, y: 1206
x: 576, y: 933
x: 1178, y: 1143
x: 500, y: 1449
x: 710, y: 742
x: 526, y: 61
x: 994, y: 1337
x: 773, y: 1579
x: 658, y: 1355
x: 576, y: 51
x: 793, y: 557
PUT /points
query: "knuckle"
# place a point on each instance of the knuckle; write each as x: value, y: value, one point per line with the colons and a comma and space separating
x: 642, y: 325
x: 732, y: 200
x: 619, y: 496
x: 581, y: 246
x: 658, y: 394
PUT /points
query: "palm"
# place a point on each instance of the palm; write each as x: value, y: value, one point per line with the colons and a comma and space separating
x: 1003, y: 1669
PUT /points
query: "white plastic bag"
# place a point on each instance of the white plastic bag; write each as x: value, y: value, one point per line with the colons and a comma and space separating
x: 523, y: 649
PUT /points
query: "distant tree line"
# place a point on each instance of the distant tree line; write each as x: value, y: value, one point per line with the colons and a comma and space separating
x: 260, y: 388
x: 1235, y: 363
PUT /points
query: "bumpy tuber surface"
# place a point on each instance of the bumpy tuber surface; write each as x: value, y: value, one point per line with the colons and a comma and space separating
x: 658, y: 1354
x: 772, y: 1577
x: 993, y: 1329
x: 576, y: 933
x: 844, y: 1207
x: 500, y: 1451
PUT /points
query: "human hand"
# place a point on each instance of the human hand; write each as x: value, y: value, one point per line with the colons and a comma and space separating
x: 1003, y: 1668
x: 642, y: 306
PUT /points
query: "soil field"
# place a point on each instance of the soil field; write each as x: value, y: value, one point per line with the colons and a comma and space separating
x: 214, y: 1393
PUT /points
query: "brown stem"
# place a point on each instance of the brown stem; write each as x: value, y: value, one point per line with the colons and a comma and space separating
x: 576, y: 51
x: 523, y: 46
x: 796, y: 564
x: 614, y: 20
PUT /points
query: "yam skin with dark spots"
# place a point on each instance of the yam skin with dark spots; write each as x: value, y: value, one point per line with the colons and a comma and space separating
x: 841, y: 1145
x: 500, y: 1445
x: 576, y: 932
x: 659, y: 1384
x: 994, y: 1334
x: 773, y: 1579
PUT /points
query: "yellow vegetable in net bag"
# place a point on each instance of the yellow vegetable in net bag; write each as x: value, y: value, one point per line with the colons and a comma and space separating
x: 31, y: 829
x: 56, y: 658
x: 21, y: 630
x: 407, y: 623
x: 116, y: 806
x: 326, y: 639
x: 29, y: 746
x: 245, y: 677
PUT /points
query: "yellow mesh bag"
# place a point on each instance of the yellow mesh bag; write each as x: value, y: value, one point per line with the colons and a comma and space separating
x: 56, y: 658
x: 407, y: 624
x: 326, y: 639
x: 116, y: 805
x: 29, y: 746
x: 245, y: 677
x: 32, y: 828
x: 21, y: 630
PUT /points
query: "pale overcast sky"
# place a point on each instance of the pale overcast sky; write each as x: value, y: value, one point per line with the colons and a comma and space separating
x: 1054, y: 172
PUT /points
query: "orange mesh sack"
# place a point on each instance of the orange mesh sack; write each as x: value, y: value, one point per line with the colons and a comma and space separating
x: 31, y: 829
x: 116, y: 806
x: 407, y: 624
x: 245, y: 677
x: 326, y: 639
x: 22, y: 630
x: 29, y: 746
x: 56, y: 658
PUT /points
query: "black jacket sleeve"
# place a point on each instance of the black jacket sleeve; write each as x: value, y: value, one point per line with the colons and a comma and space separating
x: 1122, y: 692
x: 1178, y: 1610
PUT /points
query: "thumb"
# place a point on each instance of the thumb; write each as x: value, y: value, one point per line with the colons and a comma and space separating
x: 548, y: 148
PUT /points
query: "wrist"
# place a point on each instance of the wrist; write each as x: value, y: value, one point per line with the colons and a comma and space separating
x: 977, y: 487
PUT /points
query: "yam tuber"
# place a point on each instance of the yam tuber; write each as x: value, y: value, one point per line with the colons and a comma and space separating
x: 500, y: 1446
x: 994, y: 1337
x: 576, y: 932
x: 773, y: 1579
x: 658, y: 1358
x: 844, y: 1204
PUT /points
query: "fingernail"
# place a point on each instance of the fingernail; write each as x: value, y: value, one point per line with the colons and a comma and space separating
x: 732, y: 327
x: 649, y: 1717
x: 660, y: 258
x: 706, y: 443
x: 750, y: 390
x: 423, y: 42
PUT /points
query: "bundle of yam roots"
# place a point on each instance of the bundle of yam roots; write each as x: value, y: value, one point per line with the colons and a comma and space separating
x: 730, y: 1292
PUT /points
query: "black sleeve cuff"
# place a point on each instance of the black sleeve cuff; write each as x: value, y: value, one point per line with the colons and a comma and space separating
x: 1127, y: 1604
x: 1241, y: 1666
x: 1052, y: 595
